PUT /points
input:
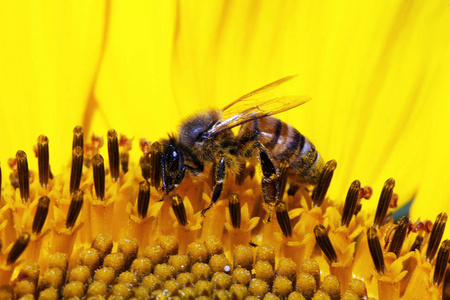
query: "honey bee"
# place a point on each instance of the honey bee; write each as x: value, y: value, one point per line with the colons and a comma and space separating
x: 206, y: 140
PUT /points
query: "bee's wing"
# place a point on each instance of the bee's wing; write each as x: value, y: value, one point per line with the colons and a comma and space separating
x: 260, y: 103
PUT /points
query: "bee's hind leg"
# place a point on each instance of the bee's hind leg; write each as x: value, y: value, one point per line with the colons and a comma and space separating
x: 219, y: 177
x: 273, y: 180
x: 269, y: 184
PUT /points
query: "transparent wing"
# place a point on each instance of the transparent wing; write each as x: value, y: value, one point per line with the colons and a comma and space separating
x: 260, y: 103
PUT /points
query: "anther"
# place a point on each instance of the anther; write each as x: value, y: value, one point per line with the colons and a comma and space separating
x: 417, y: 243
x: 41, y: 214
x: 77, y: 168
x: 399, y: 236
x: 324, y: 243
x: 99, y: 176
x: 17, y: 249
x: 143, y: 198
x: 446, y: 286
x: 77, y: 137
x: 179, y: 210
x: 351, y: 202
x: 23, y: 175
x: 43, y: 160
x: 155, y: 166
x: 125, y: 146
x: 74, y: 209
x: 321, y: 189
x: 124, y: 160
x: 113, y: 153
x: 145, y: 163
x: 234, y: 206
x: 283, y: 218
x: 375, y: 249
x: 383, y: 203
x: 282, y: 179
x: 436, y: 236
x: 441, y: 262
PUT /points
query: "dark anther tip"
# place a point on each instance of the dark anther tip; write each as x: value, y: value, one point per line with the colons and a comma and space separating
x: 154, y: 165
x: 124, y: 161
x: 375, y: 249
x: 399, y: 236
x: 441, y: 262
x: 436, y: 235
x: 77, y: 169
x: 43, y: 160
x: 179, y: 209
x: 234, y: 206
x: 17, y: 249
x: 41, y: 214
x: 384, y: 202
x: 99, y: 176
x: 321, y: 189
x: 143, y: 198
x: 283, y: 219
x: 113, y: 153
x: 78, y: 137
x: 351, y: 202
x: 23, y: 175
x: 74, y: 209
x: 145, y: 164
x: 324, y: 243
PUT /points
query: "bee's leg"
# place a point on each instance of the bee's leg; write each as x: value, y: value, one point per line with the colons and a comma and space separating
x: 219, y: 177
x: 269, y: 183
x: 162, y: 167
x: 274, y: 180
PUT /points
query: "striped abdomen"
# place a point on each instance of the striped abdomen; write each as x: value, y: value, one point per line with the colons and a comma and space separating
x: 284, y: 143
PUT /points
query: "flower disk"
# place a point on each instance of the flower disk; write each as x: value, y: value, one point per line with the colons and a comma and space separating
x: 98, y: 231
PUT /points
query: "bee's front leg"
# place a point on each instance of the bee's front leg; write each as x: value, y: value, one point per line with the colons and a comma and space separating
x: 219, y: 177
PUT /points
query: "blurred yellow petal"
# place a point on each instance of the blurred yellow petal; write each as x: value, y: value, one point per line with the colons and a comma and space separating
x: 432, y: 197
x: 134, y: 88
x: 48, y: 60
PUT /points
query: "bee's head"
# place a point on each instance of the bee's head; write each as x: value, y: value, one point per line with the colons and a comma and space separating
x: 194, y: 131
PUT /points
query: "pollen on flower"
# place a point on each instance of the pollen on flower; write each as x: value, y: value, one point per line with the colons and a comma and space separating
x: 100, y: 230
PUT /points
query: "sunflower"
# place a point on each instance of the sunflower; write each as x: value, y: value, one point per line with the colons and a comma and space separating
x: 378, y: 78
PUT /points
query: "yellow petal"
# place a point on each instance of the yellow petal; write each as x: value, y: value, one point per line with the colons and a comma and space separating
x: 48, y: 60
